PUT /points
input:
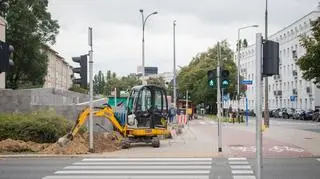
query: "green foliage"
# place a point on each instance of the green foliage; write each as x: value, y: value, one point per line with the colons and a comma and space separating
x: 29, y: 28
x: 194, y: 76
x: 156, y: 81
x: 99, y: 83
x: 41, y: 127
x: 77, y: 88
x: 122, y: 84
x: 309, y: 63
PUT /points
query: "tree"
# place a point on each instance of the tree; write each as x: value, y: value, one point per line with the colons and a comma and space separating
x: 194, y: 76
x: 29, y: 28
x: 156, y: 81
x: 98, y: 83
x: 309, y: 63
x: 109, y: 75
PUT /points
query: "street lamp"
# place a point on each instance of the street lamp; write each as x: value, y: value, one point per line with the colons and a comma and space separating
x: 239, y: 46
x: 144, y: 20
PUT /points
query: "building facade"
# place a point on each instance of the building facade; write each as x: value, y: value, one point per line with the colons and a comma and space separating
x: 147, y: 70
x: 288, y: 89
x: 59, y: 73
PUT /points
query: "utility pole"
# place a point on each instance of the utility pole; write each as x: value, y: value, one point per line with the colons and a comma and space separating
x: 90, y: 91
x: 174, y: 66
x: 219, y: 101
x: 266, y: 92
x: 258, y: 106
x: 187, y: 108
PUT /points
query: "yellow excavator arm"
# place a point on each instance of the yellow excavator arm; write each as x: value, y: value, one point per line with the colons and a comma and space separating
x: 105, y: 112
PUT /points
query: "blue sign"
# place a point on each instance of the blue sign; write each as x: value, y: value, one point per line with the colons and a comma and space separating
x: 226, y: 97
x: 293, y: 98
x: 246, y: 82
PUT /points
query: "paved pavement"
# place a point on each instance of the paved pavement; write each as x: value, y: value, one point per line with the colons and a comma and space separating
x: 158, y: 168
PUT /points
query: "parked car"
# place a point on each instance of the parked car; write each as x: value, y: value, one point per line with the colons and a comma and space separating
x: 299, y: 114
x: 308, y: 114
x: 287, y: 113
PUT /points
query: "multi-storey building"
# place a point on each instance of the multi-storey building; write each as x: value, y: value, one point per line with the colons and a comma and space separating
x: 59, y: 73
x: 288, y: 89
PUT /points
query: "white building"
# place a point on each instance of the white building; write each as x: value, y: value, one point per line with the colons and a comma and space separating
x: 289, y: 82
x: 59, y: 71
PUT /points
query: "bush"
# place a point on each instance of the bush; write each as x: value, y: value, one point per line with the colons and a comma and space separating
x: 41, y: 127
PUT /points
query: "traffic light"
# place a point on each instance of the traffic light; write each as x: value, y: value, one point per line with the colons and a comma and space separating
x: 6, y: 52
x: 224, y: 78
x: 212, y: 78
x: 82, y: 70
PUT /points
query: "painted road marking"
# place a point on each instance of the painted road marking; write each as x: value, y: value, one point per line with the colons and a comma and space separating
x: 239, y: 163
x: 133, y: 172
x: 242, y: 172
x: 201, y: 122
x: 240, y: 167
x: 126, y: 177
x: 318, y: 159
x: 136, y: 168
x: 240, y: 158
x: 147, y: 159
x: 143, y: 163
x: 244, y: 177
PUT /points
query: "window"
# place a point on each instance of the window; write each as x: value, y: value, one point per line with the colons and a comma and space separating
x: 300, y: 83
x: 158, y: 100
x: 284, y: 85
x: 288, y: 85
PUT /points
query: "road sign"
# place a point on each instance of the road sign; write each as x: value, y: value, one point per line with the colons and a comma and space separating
x: 246, y: 82
x: 293, y: 98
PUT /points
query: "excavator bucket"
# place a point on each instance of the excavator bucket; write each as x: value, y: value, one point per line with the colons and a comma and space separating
x: 65, y: 140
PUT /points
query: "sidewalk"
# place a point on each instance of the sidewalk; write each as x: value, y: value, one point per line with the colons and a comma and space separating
x: 277, y: 141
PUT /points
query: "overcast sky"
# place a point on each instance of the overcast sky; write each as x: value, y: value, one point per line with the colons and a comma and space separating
x: 117, y: 28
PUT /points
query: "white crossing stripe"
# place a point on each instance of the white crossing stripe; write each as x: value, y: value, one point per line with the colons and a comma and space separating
x: 134, y: 167
x: 244, y: 177
x: 239, y: 163
x: 318, y: 159
x: 147, y: 159
x: 201, y: 122
x: 127, y: 176
x: 240, y: 167
x: 145, y: 163
x: 240, y: 158
x: 242, y: 171
x: 133, y: 172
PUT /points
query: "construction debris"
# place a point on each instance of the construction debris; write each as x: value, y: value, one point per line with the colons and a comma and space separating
x: 104, y: 142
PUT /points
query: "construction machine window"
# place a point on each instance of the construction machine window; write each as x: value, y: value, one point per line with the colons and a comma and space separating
x: 144, y: 100
x: 158, y: 100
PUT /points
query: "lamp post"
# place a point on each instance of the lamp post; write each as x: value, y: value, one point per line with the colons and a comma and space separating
x: 144, y: 20
x: 174, y: 66
x: 238, y: 73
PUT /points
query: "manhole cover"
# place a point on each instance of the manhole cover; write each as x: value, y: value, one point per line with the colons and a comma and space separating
x: 307, y: 138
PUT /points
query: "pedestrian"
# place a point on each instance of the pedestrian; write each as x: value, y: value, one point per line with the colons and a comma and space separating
x: 230, y: 113
x: 172, y: 114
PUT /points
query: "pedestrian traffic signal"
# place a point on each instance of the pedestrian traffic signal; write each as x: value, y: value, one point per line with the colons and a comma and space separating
x: 212, y: 78
x: 224, y: 78
x: 82, y: 70
x: 6, y: 52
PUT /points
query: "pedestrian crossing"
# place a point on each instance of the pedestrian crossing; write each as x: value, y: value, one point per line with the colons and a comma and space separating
x: 240, y: 168
x: 136, y: 168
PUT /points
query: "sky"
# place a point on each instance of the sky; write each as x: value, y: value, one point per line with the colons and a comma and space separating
x: 200, y: 24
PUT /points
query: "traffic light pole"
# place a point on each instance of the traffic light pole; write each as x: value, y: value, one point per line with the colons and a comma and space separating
x: 90, y: 91
x: 219, y: 102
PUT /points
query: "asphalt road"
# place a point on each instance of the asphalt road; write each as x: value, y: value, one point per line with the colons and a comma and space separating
x: 296, y: 124
x: 151, y: 168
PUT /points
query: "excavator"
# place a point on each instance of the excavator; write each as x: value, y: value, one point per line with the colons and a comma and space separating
x: 146, y: 117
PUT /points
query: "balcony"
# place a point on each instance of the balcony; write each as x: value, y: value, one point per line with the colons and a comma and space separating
x: 279, y: 93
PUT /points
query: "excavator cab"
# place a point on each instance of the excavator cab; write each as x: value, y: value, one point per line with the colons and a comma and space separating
x: 147, y: 107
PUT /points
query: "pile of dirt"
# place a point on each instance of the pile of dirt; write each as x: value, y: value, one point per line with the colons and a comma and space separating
x: 103, y: 142
x: 10, y: 145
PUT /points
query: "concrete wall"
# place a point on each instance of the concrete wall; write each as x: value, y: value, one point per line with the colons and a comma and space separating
x: 65, y: 103
x: 23, y: 100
